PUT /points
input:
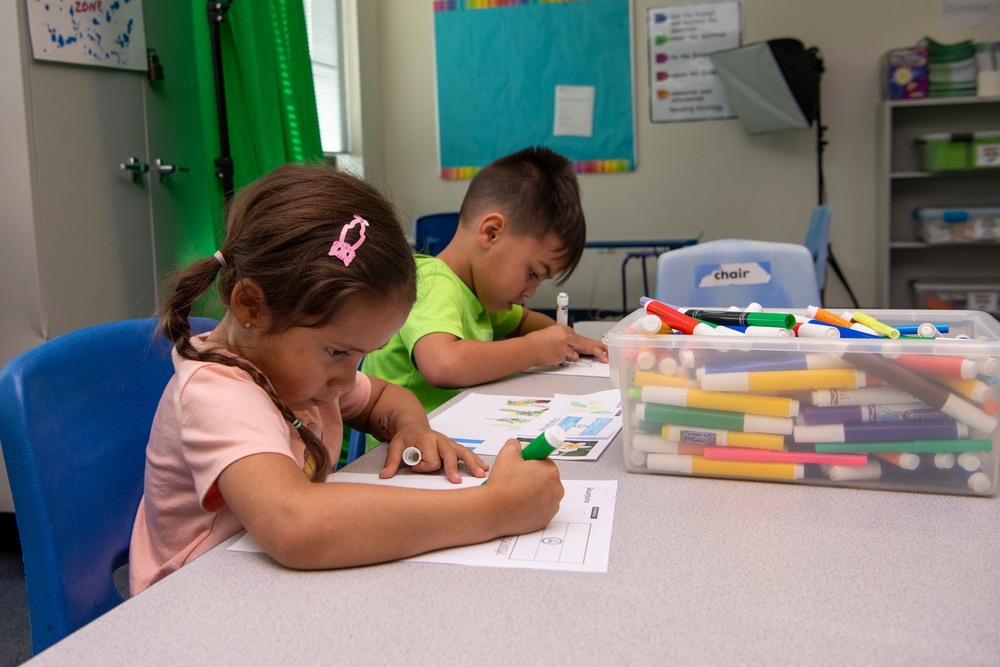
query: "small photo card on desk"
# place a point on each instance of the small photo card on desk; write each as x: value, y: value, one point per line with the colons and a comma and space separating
x: 578, y: 539
x: 484, y: 422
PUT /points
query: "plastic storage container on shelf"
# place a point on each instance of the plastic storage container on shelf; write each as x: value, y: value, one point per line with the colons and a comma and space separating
x: 959, y: 296
x: 958, y: 225
x: 950, y: 152
x: 905, y: 414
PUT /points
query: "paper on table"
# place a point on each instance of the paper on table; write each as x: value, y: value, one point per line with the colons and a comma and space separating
x: 484, y: 422
x: 586, y: 366
x: 577, y: 540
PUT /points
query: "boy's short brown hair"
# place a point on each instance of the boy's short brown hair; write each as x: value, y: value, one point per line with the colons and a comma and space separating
x: 537, y: 191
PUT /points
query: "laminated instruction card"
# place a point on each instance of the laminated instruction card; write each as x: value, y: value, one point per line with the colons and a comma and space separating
x: 484, y: 422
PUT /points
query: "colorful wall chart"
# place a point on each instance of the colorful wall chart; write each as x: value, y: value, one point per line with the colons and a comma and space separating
x: 682, y: 80
x: 105, y: 33
x: 516, y: 73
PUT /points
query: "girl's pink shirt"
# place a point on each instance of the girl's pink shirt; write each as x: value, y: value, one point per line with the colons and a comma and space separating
x: 209, y: 416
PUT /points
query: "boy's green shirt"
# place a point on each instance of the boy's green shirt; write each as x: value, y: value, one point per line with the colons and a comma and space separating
x: 444, y: 304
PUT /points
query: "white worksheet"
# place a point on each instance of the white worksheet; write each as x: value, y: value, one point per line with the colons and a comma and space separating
x: 577, y: 540
x: 585, y: 366
x: 484, y: 422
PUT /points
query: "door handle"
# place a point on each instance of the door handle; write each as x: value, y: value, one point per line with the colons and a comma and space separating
x: 136, y: 166
x: 167, y: 169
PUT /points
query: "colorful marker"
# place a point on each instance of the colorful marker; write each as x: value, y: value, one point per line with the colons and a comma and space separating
x: 675, y: 319
x: 844, y: 332
x: 834, y: 378
x: 898, y: 412
x: 903, y: 460
x: 776, y: 406
x: 699, y: 465
x: 792, y: 362
x: 823, y: 315
x: 763, y: 332
x: 874, y: 324
x: 783, y: 320
x: 873, y: 470
x: 863, y: 396
x: 919, y: 446
x: 654, y: 444
x: 547, y: 442
x: 651, y: 379
x: 814, y: 329
x: 730, y: 421
x: 723, y: 437
x: 880, y: 431
x: 766, y: 456
x: 931, y: 393
x: 952, y: 367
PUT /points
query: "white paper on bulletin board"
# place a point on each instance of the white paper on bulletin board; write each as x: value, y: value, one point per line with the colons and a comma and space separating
x: 512, y: 74
x: 103, y: 33
x: 682, y: 81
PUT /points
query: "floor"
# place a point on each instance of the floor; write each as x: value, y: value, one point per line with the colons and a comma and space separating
x: 15, y: 634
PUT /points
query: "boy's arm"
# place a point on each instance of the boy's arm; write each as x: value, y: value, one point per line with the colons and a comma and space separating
x: 453, y: 363
x: 532, y: 320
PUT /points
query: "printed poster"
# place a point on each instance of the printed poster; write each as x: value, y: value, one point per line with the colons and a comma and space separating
x: 103, y: 33
x: 682, y: 81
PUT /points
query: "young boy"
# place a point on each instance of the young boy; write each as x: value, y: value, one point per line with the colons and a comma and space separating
x: 521, y: 222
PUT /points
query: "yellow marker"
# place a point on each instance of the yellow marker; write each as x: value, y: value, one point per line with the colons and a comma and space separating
x: 800, y: 380
x: 723, y: 438
x: 651, y: 379
x: 776, y: 406
x: 699, y: 465
x: 873, y: 324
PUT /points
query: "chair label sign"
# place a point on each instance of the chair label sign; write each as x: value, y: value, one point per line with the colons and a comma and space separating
x: 724, y: 275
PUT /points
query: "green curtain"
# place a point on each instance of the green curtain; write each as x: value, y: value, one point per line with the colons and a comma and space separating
x: 270, y: 99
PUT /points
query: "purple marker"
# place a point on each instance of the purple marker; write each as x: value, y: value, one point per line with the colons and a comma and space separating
x: 899, y: 412
x: 806, y: 362
x: 880, y: 431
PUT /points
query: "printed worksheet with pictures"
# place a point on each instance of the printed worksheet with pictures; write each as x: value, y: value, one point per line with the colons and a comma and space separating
x: 578, y: 539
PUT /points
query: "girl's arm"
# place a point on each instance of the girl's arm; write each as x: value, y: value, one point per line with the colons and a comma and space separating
x: 395, y: 414
x: 309, y: 525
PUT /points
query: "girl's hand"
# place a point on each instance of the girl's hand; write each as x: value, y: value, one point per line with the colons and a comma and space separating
x: 437, y: 450
x: 527, y: 493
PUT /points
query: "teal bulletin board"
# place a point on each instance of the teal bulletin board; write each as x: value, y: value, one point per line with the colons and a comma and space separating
x: 499, y: 64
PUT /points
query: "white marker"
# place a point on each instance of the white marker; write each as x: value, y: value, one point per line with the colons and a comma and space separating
x: 412, y: 456
x: 562, y: 309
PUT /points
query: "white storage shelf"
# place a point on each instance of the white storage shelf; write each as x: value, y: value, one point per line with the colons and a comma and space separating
x: 905, y: 186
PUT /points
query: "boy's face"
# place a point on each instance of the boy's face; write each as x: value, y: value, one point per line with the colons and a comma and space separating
x: 513, y: 267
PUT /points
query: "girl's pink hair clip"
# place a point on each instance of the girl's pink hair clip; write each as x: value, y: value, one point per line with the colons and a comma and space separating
x: 344, y: 251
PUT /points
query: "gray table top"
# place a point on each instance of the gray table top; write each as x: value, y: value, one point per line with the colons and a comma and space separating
x: 702, y: 571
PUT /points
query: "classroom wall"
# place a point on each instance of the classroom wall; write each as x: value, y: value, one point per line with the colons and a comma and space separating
x: 692, y: 178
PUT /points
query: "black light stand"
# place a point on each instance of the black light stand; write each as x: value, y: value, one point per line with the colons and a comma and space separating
x: 821, y: 182
x: 224, y: 163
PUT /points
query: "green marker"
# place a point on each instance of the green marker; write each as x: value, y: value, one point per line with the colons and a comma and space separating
x: 921, y: 446
x: 742, y: 318
x: 730, y: 421
x: 549, y: 441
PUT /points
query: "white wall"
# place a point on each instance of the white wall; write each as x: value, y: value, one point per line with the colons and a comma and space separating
x: 699, y: 177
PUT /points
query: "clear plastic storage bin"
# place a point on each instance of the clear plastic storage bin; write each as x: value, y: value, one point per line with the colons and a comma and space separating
x: 902, y: 414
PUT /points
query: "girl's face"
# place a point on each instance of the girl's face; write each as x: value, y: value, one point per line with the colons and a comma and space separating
x: 514, y: 268
x: 310, y: 367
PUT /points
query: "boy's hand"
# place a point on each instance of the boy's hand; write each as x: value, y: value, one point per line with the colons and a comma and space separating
x: 556, y: 344
x: 437, y: 450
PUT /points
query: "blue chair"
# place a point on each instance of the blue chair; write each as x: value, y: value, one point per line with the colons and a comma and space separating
x: 75, y: 414
x: 735, y: 272
x: 818, y: 243
x: 432, y: 232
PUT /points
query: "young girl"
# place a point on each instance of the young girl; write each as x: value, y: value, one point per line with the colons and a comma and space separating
x: 315, y: 273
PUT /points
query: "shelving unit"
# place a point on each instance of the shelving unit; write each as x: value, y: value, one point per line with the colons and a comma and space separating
x: 903, y: 187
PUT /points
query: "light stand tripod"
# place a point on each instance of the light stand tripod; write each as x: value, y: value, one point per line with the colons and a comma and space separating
x: 821, y: 182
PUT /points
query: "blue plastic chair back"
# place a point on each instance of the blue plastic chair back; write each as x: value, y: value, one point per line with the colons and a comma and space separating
x: 75, y: 414
x: 818, y: 242
x: 735, y: 272
x: 432, y: 232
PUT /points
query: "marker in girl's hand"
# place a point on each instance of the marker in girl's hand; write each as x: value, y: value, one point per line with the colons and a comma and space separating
x: 412, y: 456
x: 549, y: 441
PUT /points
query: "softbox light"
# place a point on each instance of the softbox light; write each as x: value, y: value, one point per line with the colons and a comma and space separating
x: 771, y: 86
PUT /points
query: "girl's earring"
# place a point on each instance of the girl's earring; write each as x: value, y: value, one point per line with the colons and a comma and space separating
x: 247, y: 325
